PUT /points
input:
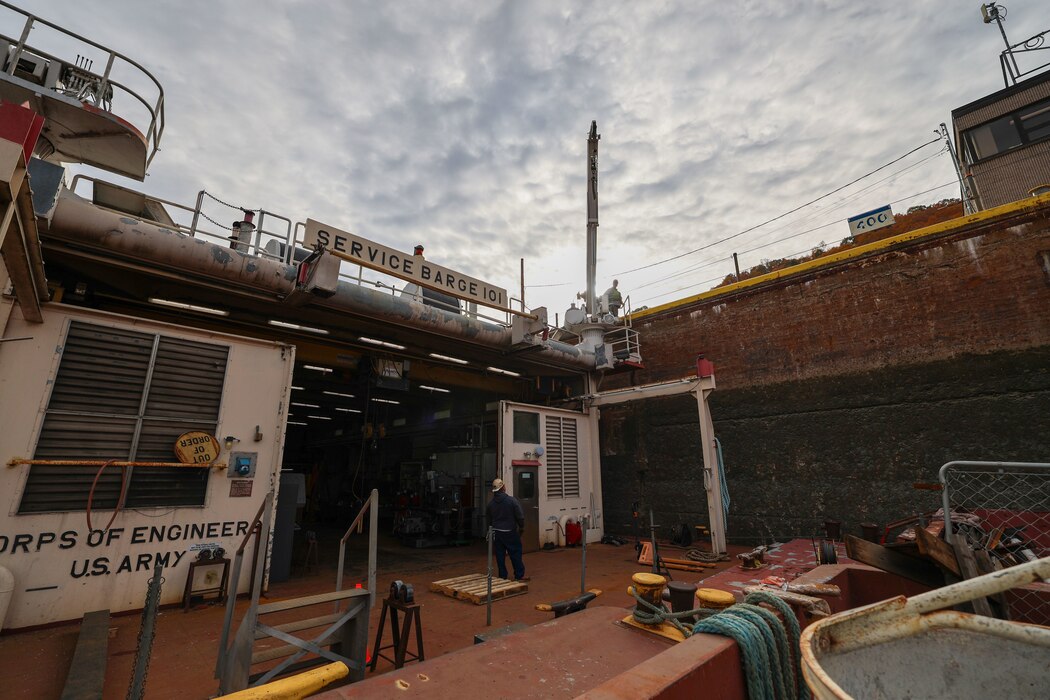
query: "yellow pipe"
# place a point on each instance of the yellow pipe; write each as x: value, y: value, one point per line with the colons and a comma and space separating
x: 1029, y: 203
x: 294, y: 687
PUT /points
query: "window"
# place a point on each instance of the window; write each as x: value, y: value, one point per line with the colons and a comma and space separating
x: 1028, y: 125
x: 563, y: 458
x: 526, y: 427
x: 1035, y: 121
x: 525, y: 486
x: 125, y: 395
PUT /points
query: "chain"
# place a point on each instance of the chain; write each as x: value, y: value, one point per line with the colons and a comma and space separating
x: 144, y: 646
x: 227, y: 204
x: 222, y: 226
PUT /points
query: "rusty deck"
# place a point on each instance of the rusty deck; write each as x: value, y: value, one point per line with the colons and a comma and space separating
x: 474, y: 587
x: 588, y: 652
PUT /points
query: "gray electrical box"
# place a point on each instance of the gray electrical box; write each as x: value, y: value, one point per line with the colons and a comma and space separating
x: 242, y: 465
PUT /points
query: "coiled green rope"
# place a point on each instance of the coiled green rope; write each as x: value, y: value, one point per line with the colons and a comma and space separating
x: 772, y: 660
x: 770, y: 648
x: 649, y: 614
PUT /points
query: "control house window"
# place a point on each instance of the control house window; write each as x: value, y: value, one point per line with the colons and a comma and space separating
x: 1025, y: 126
x: 125, y: 395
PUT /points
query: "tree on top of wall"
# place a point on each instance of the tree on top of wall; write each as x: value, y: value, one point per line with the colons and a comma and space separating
x: 915, y: 218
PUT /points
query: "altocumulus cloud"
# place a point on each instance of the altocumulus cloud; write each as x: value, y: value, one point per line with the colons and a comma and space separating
x: 462, y: 125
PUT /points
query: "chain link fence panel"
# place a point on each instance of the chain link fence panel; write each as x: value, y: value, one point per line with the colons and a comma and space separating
x: 1002, y: 509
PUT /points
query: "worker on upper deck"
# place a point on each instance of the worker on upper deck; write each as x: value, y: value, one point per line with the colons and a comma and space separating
x: 612, y: 294
x: 428, y: 296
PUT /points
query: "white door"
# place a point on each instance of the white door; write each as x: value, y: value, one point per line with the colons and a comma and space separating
x: 549, y: 461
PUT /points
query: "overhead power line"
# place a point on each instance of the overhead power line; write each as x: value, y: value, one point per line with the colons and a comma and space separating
x: 774, y: 242
x: 840, y: 204
x: 781, y: 216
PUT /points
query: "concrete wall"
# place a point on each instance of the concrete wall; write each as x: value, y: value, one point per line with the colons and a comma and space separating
x: 840, y: 388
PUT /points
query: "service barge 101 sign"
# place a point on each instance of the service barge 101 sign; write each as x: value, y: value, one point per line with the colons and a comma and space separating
x: 412, y: 268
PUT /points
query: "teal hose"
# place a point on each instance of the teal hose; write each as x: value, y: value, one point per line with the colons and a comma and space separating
x: 722, y: 479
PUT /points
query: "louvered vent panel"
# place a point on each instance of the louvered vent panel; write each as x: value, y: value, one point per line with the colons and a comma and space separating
x: 166, y: 486
x: 570, y: 464
x: 101, y: 377
x: 563, y: 458
x: 103, y: 370
x: 187, y: 380
x: 61, y: 488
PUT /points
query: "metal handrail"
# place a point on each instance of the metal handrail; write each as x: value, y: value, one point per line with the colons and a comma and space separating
x: 291, y: 240
x: 156, y: 127
x: 371, y: 507
x: 260, y: 527
x: 17, y: 461
x: 80, y: 176
x: 261, y: 230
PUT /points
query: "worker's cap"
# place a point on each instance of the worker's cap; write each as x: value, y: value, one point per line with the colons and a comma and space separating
x: 497, y: 484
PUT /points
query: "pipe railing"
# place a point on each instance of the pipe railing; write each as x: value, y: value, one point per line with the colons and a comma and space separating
x: 370, y: 508
x: 260, y: 529
x: 290, y: 239
x: 105, y: 80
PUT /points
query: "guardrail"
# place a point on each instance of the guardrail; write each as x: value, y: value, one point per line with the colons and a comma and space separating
x: 283, y: 243
x: 76, y: 78
x: 370, y: 508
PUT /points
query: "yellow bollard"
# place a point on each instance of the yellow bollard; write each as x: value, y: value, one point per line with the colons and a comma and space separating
x: 650, y: 588
x: 714, y: 599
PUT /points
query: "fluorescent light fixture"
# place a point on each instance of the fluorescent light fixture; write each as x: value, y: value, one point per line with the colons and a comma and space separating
x: 297, y: 388
x: 297, y: 327
x: 504, y: 371
x: 320, y: 417
x: 383, y: 343
x: 336, y: 393
x: 188, y: 307
x: 434, y: 388
x: 448, y: 358
x: 396, y: 403
x: 315, y: 368
x: 305, y: 405
x: 347, y: 410
x: 295, y: 422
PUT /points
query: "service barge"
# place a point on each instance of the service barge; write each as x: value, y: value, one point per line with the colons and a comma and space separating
x: 139, y: 449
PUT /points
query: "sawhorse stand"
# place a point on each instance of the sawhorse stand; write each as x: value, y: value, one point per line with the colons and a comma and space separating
x: 400, y: 633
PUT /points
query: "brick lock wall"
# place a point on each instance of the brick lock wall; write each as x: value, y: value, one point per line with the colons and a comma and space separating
x: 839, y: 390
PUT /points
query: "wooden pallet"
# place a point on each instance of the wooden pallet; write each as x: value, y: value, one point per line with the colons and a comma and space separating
x: 474, y: 587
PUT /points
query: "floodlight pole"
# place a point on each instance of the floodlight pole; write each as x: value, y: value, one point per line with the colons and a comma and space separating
x: 592, y: 218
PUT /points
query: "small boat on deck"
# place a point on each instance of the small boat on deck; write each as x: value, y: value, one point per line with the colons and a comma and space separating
x: 918, y: 648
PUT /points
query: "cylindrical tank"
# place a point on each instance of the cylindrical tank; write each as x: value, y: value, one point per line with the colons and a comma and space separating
x: 574, y: 316
x: 7, y: 587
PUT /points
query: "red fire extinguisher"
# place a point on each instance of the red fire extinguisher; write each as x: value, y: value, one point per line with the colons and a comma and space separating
x: 573, y: 533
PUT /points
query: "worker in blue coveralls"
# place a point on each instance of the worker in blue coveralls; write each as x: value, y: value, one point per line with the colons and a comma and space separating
x: 507, y: 520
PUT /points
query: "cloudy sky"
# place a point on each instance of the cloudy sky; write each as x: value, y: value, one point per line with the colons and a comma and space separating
x: 462, y: 125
